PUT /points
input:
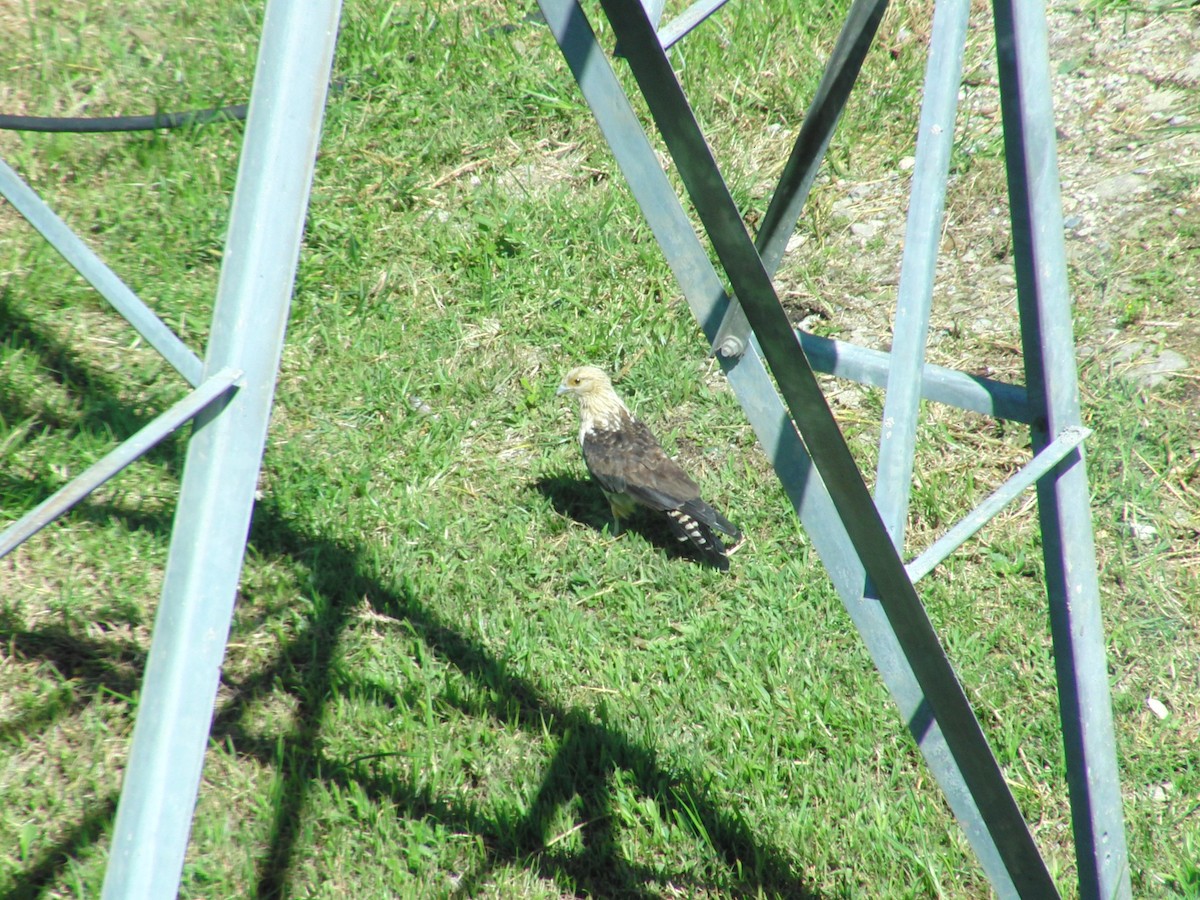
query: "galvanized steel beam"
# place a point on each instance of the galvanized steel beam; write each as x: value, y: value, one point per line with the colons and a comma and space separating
x: 922, y: 239
x: 59, y: 235
x: 972, y: 393
x: 1047, y: 339
x: 217, y: 494
x: 683, y: 24
x: 131, y: 449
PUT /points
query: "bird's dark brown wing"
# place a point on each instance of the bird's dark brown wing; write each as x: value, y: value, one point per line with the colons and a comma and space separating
x: 629, y: 460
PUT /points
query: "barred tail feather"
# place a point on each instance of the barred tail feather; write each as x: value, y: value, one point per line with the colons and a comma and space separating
x: 698, y: 509
x: 701, y: 536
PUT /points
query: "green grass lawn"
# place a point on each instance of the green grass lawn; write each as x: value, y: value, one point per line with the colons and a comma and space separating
x: 446, y: 677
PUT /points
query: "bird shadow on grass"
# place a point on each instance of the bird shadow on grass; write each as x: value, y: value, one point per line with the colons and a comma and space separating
x: 581, y: 500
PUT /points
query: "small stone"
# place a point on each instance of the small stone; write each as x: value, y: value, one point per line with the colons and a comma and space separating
x: 1191, y: 71
x: 1128, y: 352
x: 865, y: 230
x: 1121, y: 186
x: 1162, y: 101
x: 1157, y: 371
x: 1143, y: 533
x: 1002, y: 274
x: 1156, y: 706
x: 420, y: 407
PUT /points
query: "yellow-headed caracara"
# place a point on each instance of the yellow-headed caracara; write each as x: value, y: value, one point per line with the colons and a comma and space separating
x: 633, y: 470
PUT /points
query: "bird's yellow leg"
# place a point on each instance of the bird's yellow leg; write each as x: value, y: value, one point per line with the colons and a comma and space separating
x: 621, y: 507
x: 616, y: 513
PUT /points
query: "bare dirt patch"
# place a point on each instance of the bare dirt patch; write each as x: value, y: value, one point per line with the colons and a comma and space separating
x: 1127, y: 102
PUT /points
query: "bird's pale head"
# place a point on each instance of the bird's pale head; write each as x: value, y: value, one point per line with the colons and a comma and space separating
x: 585, y: 381
x: 599, y: 404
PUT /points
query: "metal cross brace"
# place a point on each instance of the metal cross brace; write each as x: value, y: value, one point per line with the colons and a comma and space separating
x: 144, y: 320
x: 127, y: 452
x: 857, y: 539
x: 231, y: 402
x: 69, y: 245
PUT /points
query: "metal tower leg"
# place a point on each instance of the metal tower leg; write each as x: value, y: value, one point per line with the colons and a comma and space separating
x: 853, y: 536
x: 213, y: 516
x: 1068, y: 548
x: 779, y: 438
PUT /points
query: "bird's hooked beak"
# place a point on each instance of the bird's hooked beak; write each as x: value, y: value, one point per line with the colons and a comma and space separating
x: 562, y: 389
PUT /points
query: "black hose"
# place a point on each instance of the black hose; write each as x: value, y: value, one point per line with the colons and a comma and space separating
x: 91, y: 125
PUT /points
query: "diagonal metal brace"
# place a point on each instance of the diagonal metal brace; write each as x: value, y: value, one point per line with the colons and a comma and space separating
x: 1029, y: 474
x: 133, y: 448
x: 26, y: 201
x: 683, y: 24
x: 828, y: 449
x: 799, y: 172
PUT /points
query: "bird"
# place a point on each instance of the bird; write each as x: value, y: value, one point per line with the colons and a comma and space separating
x: 632, y: 469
